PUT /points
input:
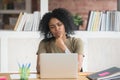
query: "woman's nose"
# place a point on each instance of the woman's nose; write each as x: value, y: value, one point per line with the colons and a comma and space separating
x: 56, y: 28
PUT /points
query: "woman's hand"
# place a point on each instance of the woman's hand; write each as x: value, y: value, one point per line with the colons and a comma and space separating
x: 60, y: 42
x: 38, y: 64
x: 38, y: 69
x: 80, y: 61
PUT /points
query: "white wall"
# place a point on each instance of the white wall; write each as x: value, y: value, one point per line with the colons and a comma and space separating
x: 22, y: 50
x: 16, y: 46
x: 103, y: 53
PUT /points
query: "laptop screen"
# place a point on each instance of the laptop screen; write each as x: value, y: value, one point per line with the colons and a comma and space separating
x: 59, y: 65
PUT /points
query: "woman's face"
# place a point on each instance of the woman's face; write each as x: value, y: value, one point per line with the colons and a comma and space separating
x: 56, y: 27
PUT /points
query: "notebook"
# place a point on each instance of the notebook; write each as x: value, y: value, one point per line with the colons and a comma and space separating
x: 106, y: 74
x: 59, y: 65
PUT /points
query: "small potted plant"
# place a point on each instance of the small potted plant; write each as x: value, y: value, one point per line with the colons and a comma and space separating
x: 78, y: 21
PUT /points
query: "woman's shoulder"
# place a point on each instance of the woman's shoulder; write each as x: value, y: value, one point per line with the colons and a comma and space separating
x: 47, y: 40
x: 74, y: 39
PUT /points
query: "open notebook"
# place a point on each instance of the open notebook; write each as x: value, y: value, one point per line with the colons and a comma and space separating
x: 58, y: 65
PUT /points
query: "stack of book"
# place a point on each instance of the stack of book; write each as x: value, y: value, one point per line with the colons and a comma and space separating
x: 28, y: 21
x: 112, y: 73
x: 103, y: 21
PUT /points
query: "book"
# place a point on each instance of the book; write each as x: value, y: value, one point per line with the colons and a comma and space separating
x: 115, y: 76
x: 18, y: 21
x: 22, y: 22
x: 29, y: 22
x: 104, y: 73
x: 36, y: 20
x: 103, y: 21
x: 97, y: 22
x: 89, y: 26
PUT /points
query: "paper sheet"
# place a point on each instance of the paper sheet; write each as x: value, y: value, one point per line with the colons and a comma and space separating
x: 17, y: 76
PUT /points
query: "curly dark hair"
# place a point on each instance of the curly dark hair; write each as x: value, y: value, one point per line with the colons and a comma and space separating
x: 61, y: 14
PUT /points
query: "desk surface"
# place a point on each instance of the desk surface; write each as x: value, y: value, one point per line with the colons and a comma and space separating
x: 81, y: 76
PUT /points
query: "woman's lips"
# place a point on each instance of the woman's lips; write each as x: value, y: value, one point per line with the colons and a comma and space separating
x: 57, y: 34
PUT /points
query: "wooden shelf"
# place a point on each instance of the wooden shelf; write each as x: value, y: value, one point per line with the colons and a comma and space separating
x: 7, y: 13
x: 11, y: 11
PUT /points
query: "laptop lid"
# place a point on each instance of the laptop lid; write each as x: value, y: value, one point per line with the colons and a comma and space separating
x: 59, y: 65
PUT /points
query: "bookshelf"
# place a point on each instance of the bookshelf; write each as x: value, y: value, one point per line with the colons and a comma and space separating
x: 9, y: 11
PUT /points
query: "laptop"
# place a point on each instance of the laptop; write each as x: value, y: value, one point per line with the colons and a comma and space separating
x: 59, y: 65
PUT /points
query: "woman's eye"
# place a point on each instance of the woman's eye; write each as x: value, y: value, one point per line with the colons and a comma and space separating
x: 51, y: 27
x: 59, y: 24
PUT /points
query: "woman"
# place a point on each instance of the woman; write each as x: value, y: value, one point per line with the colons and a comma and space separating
x: 57, y: 27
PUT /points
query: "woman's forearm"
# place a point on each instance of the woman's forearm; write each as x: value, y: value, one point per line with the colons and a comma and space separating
x: 80, y: 61
x: 38, y: 64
